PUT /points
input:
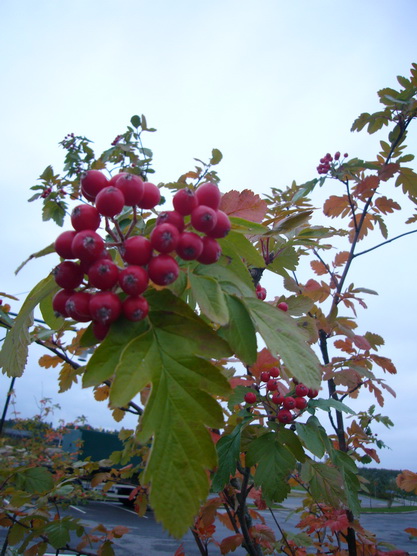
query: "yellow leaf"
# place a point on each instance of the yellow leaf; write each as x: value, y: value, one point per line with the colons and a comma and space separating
x: 48, y: 361
x: 101, y: 393
x: 67, y: 377
x: 118, y: 414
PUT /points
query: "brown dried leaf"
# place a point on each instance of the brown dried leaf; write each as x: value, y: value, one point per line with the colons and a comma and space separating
x: 245, y: 204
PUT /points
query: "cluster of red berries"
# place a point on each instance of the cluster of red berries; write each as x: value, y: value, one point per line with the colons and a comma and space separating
x: 325, y: 162
x: 279, y: 404
x: 95, y: 288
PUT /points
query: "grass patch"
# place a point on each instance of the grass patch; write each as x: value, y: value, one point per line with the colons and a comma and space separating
x: 386, y: 510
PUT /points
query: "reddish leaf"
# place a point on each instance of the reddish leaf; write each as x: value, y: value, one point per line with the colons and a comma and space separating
x: 245, y: 204
x: 341, y: 258
x: 372, y: 453
x: 388, y: 171
x: 180, y: 551
x: 316, y: 291
x: 411, y: 531
x: 225, y: 519
x: 339, y: 522
x: 345, y: 345
x: 229, y: 544
x: 385, y: 363
x: 241, y: 380
x: 336, y: 206
x: 386, y: 205
x: 367, y: 186
x: 264, y: 362
x: 361, y: 342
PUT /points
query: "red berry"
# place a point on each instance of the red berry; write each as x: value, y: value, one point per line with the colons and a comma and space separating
x: 137, y: 250
x: 77, y: 306
x: 277, y: 398
x: 105, y: 307
x: 189, y: 246
x: 135, y: 308
x: 63, y: 244
x: 283, y: 306
x: 100, y: 330
x: 289, y: 402
x: 261, y: 293
x: 164, y: 237
x: 185, y: 201
x: 274, y: 372
x: 59, y: 300
x: 312, y: 393
x: 92, y: 182
x: 300, y: 403
x: 85, y: 217
x: 211, y: 251
x: 301, y: 390
x: 132, y: 188
x: 265, y: 376
x: 171, y: 217
x: 68, y: 275
x: 337, y: 155
x: 133, y: 280
x: 222, y: 227
x: 87, y: 246
x: 284, y: 416
x: 250, y: 397
x: 114, y: 178
x: 163, y: 270
x: 151, y: 196
x: 103, y: 274
x: 209, y: 195
x: 110, y: 201
x: 203, y: 218
x: 272, y: 385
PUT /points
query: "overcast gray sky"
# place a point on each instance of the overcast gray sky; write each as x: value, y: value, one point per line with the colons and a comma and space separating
x: 274, y: 85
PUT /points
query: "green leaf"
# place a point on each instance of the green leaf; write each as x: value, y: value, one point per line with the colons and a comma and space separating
x: 36, y: 480
x: 246, y: 226
x: 407, y: 179
x: 58, y: 532
x: 289, y: 439
x: 311, y: 435
x: 210, y: 298
x: 239, y: 332
x: 177, y: 414
x: 291, y: 222
x: 283, y: 338
x: 228, y: 450
x: 135, y: 121
x: 326, y: 405
x: 287, y: 259
x: 274, y: 464
x: 45, y: 251
x: 14, y: 353
x: 48, y: 314
x: 216, y: 157
x: 326, y: 483
x: 16, y: 534
x: 232, y: 275
x: 245, y: 248
x: 55, y: 211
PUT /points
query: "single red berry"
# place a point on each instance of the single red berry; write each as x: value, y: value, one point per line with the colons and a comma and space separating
x: 300, y: 403
x: 85, y: 217
x: 250, y: 397
x: 301, y: 390
x: 59, y: 300
x: 272, y: 385
x: 105, y: 307
x: 151, y: 196
x: 77, y: 306
x: 135, y: 308
x: 277, y: 398
x: 312, y: 393
x: 337, y: 155
x: 87, y: 246
x: 284, y: 416
x: 261, y: 293
x: 103, y: 274
x: 163, y: 270
x: 171, y: 217
x: 114, y: 178
x: 189, y: 246
x: 164, y: 237
x: 203, y: 218
x: 346, y: 155
x: 100, y: 330
x: 185, y: 201
x: 222, y: 226
x: 208, y: 194
x: 132, y: 188
x: 265, y: 376
x: 137, y: 250
x: 63, y: 244
x: 289, y: 402
x: 92, y: 182
x: 274, y: 372
x: 211, y: 251
x: 133, y: 280
x: 110, y: 201
x: 68, y: 275
x: 283, y: 306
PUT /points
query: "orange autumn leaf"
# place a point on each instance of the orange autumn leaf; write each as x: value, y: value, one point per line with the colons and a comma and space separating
x: 367, y: 186
x: 385, y: 363
x: 245, y: 204
x: 388, y: 171
x: 102, y: 393
x: 336, y: 206
x: 118, y: 414
x: 407, y: 480
x: 264, y: 362
x: 225, y: 519
x: 341, y: 258
x: 411, y: 531
x: 48, y: 361
x: 316, y: 291
x: 229, y: 544
x: 318, y: 267
x: 365, y: 225
x: 386, y: 205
